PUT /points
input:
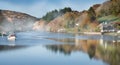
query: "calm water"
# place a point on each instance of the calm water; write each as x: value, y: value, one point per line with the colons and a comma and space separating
x: 44, y: 48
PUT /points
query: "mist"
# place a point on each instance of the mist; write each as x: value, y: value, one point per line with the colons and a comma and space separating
x: 17, y: 25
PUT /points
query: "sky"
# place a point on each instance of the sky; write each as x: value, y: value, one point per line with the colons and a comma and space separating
x: 39, y: 8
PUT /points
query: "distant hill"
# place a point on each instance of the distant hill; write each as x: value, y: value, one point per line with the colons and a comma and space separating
x: 15, y: 21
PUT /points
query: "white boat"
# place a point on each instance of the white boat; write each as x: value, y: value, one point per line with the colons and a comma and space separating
x: 11, y: 37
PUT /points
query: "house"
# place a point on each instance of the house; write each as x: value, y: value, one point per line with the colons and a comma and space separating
x: 107, y: 27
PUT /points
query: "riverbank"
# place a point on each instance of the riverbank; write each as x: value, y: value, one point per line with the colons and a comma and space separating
x: 99, y: 33
x: 111, y: 33
x: 93, y: 33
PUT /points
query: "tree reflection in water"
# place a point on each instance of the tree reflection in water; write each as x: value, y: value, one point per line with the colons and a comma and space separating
x: 108, y: 51
x: 11, y: 47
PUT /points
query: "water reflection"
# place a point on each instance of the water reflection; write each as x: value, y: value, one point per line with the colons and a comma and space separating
x: 58, y: 49
x: 10, y: 47
x: 105, y: 50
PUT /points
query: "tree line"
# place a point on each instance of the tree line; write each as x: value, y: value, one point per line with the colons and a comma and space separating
x: 55, y: 13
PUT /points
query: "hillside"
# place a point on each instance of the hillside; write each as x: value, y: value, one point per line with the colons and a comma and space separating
x: 109, y: 11
x: 85, y: 21
x: 11, y: 21
x: 39, y: 25
x: 61, y: 23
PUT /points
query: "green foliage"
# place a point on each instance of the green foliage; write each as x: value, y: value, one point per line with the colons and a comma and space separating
x: 115, y: 7
x: 117, y: 26
x: 66, y: 9
x: 55, y: 13
x: 70, y: 24
x: 97, y: 29
x: 92, y: 14
x: 50, y: 15
x: 112, y: 7
x: 109, y: 18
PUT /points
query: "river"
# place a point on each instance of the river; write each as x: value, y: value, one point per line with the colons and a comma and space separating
x: 45, y: 48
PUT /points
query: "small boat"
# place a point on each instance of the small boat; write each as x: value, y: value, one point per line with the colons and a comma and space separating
x: 11, y: 37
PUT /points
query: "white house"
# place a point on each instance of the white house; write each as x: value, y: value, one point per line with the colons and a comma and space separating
x: 107, y: 27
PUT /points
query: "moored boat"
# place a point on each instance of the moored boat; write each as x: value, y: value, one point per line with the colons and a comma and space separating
x: 11, y: 37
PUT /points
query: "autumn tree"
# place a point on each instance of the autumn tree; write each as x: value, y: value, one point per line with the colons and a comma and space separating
x: 111, y: 7
x: 92, y: 14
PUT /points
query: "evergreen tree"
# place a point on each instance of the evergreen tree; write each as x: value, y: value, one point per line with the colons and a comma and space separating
x: 55, y: 13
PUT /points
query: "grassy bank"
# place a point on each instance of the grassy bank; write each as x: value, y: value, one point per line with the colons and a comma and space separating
x: 110, y: 18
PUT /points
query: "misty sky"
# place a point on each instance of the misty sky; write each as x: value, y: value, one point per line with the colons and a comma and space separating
x: 39, y: 8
